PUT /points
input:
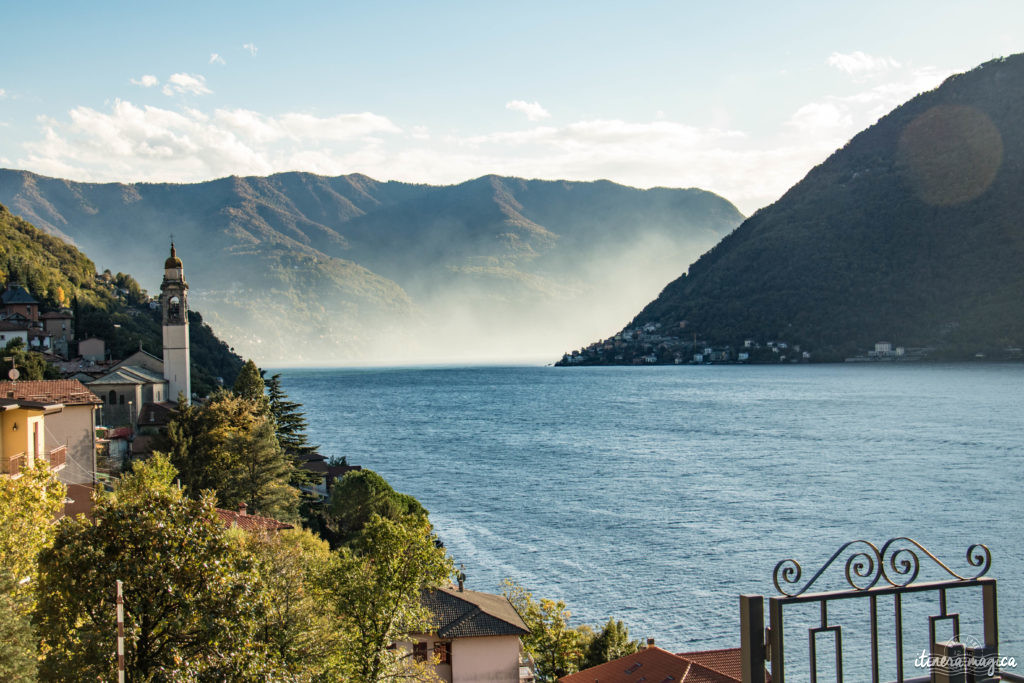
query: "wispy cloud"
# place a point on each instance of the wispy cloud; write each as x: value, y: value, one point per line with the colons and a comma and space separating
x: 251, y: 48
x: 131, y: 142
x: 532, y: 110
x: 216, y: 59
x: 192, y: 84
x: 147, y: 81
x: 154, y: 143
x: 859, y: 64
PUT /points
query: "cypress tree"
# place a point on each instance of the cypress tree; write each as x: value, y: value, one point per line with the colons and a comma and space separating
x: 291, y: 422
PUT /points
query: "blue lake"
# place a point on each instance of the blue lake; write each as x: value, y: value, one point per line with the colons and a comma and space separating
x: 658, y: 495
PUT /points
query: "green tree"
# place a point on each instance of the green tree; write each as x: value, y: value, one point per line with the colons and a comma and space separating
x: 229, y: 446
x: 249, y: 384
x: 373, y: 590
x: 360, y: 495
x: 289, y: 420
x: 31, y: 365
x: 260, y: 472
x: 292, y: 622
x: 557, y: 648
x: 611, y: 643
x: 188, y: 597
x: 28, y: 506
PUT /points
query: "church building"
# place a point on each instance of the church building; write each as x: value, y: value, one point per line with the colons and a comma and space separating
x: 174, y: 304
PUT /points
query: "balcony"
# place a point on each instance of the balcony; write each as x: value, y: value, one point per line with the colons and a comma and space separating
x: 14, y: 464
x: 58, y: 456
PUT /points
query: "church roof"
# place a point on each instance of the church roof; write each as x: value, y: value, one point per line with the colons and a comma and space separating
x: 172, y: 261
x: 129, y: 374
x: 16, y: 294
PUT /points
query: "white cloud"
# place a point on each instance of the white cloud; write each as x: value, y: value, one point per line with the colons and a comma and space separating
x: 179, y: 84
x: 3, y: 92
x: 861, y: 64
x: 832, y: 120
x: 533, y: 110
x: 134, y: 143
x: 147, y: 81
x: 251, y: 48
x: 216, y: 59
x: 130, y: 142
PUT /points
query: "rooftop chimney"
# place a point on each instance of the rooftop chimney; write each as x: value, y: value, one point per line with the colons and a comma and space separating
x: 462, y: 578
x: 650, y: 642
x: 241, y: 509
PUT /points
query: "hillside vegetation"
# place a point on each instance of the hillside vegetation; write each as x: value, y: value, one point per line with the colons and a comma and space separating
x: 112, y: 307
x: 911, y: 233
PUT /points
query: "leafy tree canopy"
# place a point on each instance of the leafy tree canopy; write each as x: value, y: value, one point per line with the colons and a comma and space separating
x: 31, y: 365
x: 373, y: 591
x: 249, y: 384
x: 188, y: 597
x: 362, y: 494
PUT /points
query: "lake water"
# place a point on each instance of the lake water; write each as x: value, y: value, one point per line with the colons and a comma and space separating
x: 658, y: 495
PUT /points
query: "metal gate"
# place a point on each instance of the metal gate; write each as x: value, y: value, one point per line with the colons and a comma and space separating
x: 873, y: 573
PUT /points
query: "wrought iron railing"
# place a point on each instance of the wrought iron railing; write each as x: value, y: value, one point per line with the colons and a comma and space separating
x: 58, y: 456
x: 871, y: 573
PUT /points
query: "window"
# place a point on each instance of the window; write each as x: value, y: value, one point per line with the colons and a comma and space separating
x: 112, y: 398
x: 443, y: 652
x: 419, y: 652
x: 122, y: 399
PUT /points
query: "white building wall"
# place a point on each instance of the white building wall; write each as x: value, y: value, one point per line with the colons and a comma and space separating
x: 177, y: 362
x: 73, y: 427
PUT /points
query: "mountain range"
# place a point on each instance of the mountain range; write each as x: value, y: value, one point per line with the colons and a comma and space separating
x: 303, y: 268
x: 911, y: 233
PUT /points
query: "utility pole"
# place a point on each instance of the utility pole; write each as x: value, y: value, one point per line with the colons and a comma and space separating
x: 120, y: 634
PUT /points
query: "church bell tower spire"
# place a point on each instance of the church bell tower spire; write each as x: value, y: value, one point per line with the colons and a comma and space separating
x: 174, y: 306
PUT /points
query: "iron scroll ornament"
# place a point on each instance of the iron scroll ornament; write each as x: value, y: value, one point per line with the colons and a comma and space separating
x: 897, y: 562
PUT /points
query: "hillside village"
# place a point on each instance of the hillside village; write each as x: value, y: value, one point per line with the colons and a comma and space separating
x: 650, y: 344
x: 98, y: 424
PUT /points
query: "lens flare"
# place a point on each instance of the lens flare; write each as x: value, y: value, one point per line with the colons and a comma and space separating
x: 950, y: 154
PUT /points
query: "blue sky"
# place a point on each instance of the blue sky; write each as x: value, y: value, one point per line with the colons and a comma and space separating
x: 740, y: 98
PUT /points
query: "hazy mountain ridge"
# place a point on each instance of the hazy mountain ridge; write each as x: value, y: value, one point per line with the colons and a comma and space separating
x: 296, y: 266
x: 910, y: 233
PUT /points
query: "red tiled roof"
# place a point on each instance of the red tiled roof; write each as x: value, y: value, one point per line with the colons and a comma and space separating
x: 251, y: 522
x: 728, y: 661
x: 70, y: 392
x: 654, y: 665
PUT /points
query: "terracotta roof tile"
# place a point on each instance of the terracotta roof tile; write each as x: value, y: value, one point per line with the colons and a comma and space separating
x: 70, y: 392
x: 728, y: 661
x: 654, y: 665
x: 251, y: 522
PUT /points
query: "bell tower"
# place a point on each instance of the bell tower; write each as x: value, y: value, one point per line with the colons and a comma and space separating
x: 174, y: 305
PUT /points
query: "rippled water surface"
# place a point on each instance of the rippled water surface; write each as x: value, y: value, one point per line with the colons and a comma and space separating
x: 660, y: 494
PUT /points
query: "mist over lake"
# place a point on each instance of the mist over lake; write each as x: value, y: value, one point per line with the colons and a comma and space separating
x: 658, y: 495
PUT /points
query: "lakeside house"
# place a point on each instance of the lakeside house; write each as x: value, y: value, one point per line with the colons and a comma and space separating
x: 476, y: 637
x: 328, y: 472
x: 52, y: 419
